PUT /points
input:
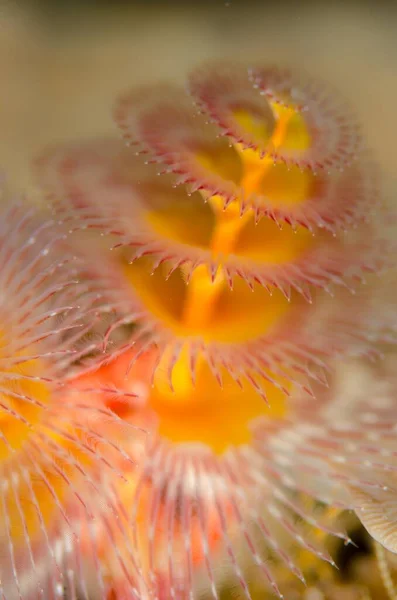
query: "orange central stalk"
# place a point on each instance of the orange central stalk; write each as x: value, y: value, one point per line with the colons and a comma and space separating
x: 280, y: 131
x: 255, y: 166
x: 202, y: 291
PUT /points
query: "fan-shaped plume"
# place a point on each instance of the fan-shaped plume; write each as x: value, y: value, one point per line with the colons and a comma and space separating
x: 53, y: 454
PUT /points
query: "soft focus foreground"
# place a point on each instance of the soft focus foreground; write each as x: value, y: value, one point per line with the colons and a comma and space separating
x: 193, y: 517
x: 54, y: 461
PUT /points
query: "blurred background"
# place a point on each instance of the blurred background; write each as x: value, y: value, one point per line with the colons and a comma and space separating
x: 63, y: 61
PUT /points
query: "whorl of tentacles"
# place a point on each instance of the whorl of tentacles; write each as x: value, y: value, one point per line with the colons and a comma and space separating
x: 270, y: 204
x: 239, y: 275
x: 201, y: 519
x: 54, y: 457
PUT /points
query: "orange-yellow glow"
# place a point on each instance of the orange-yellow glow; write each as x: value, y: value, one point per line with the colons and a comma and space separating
x: 223, y: 232
x: 18, y: 414
x: 44, y: 499
x: 205, y: 307
x: 201, y: 297
x: 199, y: 413
x: 29, y: 438
x: 221, y: 158
x: 292, y: 133
x: 285, y: 186
x: 260, y: 127
x: 205, y: 413
x: 171, y: 209
x: 267, y: 245
x: 202, y: 292
x: 277, y: 183
x: 226, y: 231
x: 236, y: 315
x: 259, y: 175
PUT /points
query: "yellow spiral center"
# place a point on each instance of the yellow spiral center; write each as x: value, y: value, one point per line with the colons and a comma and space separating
x: 205, y: 307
